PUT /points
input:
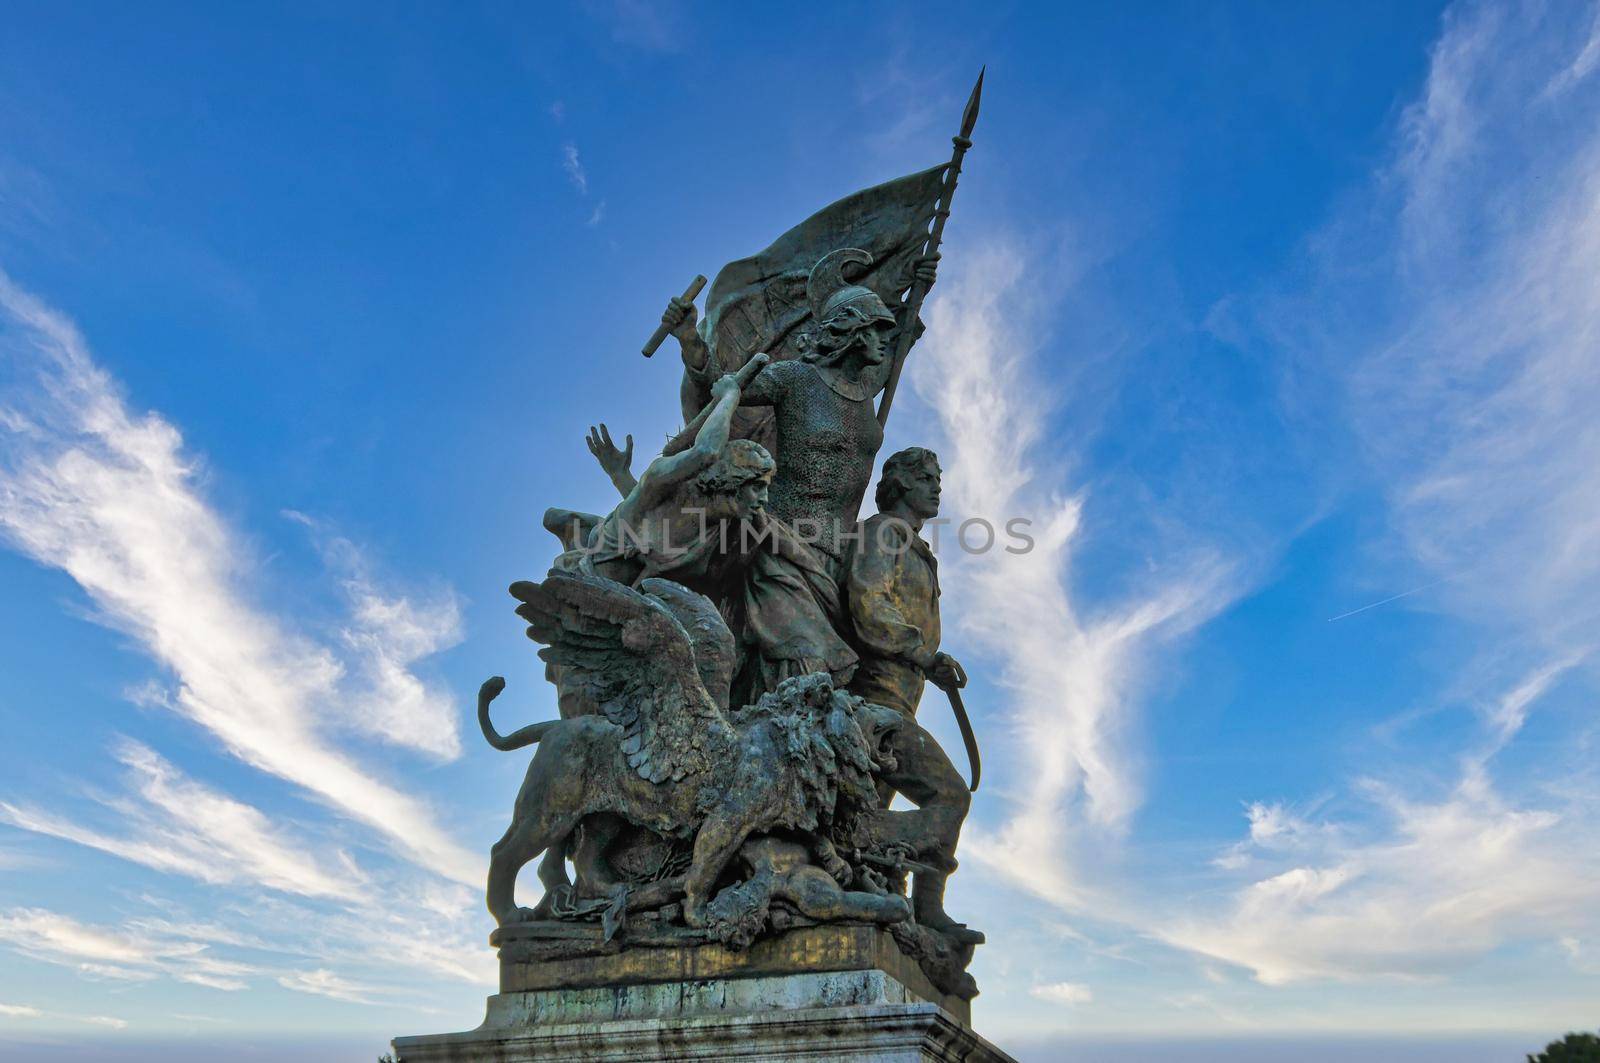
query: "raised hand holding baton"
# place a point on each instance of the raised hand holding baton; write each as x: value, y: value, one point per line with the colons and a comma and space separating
x: 662, y: 330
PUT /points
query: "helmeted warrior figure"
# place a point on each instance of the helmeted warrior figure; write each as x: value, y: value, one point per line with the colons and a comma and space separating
x: 827, y: 433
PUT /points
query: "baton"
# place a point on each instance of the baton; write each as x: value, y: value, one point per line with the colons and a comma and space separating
x: 685, y: 437
x: 660, y: 334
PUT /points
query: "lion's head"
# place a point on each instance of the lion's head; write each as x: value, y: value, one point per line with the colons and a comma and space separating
x: 830, y: 743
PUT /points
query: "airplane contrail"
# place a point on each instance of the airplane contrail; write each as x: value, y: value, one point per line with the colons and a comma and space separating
x: 1396, y: 597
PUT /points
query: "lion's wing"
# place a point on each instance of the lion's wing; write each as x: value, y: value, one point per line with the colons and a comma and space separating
x: 636, y: 661
x: 715, y: 656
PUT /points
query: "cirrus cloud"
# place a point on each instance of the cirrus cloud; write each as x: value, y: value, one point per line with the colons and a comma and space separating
x: 112, y: 499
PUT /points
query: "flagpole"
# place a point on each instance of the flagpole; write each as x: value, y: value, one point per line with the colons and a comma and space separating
x: 919, y: 289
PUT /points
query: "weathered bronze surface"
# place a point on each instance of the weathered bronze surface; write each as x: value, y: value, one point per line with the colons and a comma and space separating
x: 739, y: 659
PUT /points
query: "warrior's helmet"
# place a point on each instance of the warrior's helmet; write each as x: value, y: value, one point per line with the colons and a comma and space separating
x: 840, y: 308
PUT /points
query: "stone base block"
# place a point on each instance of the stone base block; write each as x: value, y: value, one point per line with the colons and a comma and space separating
x: 531, y: 961
x: 862, y: 1016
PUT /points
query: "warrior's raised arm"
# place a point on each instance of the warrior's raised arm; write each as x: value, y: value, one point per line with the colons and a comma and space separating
x: 664, y: 474
x: 681, y: 319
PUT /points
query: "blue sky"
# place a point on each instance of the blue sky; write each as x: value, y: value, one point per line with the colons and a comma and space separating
x: 1284, y: 321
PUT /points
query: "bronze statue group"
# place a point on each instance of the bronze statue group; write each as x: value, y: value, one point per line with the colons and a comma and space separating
x: 739, y: 659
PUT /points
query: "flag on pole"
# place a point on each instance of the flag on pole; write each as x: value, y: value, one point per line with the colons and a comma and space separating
x: 759, y: 303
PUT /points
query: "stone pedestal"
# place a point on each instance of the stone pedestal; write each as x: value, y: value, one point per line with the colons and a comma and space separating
x: 827, y: 992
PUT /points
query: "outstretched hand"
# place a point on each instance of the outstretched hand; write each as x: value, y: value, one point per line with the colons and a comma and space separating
x: 612, y: 460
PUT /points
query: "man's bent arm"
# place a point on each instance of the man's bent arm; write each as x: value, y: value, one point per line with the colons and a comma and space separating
x: 624, y: 482
x: 670, y: 470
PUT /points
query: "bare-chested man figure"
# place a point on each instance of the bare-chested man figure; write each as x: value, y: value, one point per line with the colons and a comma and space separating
x: 682, y: 515
x: 698, y: 517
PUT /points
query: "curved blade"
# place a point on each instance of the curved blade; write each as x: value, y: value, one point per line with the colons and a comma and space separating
x: 968, y: 739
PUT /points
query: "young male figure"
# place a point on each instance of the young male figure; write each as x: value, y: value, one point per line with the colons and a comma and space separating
x: 823, y: 428
x: 893, y: 594
x: 674, y: 521
x: 682, y: 520
x: 703, y: 523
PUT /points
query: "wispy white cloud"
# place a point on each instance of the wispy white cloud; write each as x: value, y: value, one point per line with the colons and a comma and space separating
x: 1455, y: 303
x: 571, y: 163
x: 1581, y: 954
x: 1076, y: 673
x: 26, y: 1011
x: 266, y: 939
x: 182, y: 827
x: 1507, y: 713
x: 1209, y: 1010
x: 117, y: 953
x: 1432, y: 883
x: 1467, y: 317
x: 10, y: 859
x: 40, y: 931
x: 1581, y: 67
x: 327, y: 984
x: 909, y: 113
x: 112, y: 499
x: 389, y: 635
x: 389, y: 631
x: 437, y: 926
x: 1273, y: 827
x: 1470, y: 345
x: 1069, y: 993
x: 108, y: 1021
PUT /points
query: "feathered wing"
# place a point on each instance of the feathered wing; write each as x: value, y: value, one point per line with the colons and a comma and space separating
x: 715, y: 656
x: 628, y: 653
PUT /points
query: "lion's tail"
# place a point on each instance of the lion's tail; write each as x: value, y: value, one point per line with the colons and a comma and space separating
x: 525, y: 736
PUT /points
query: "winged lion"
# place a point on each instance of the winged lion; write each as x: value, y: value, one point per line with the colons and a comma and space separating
x: 664, y: 752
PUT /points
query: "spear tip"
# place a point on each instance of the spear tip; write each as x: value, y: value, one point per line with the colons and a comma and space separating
x: 969, y: 117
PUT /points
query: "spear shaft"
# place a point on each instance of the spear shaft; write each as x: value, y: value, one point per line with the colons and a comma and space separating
x: 919, y: 289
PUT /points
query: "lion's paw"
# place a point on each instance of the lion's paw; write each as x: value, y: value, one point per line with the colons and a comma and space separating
x: 894, y: 909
